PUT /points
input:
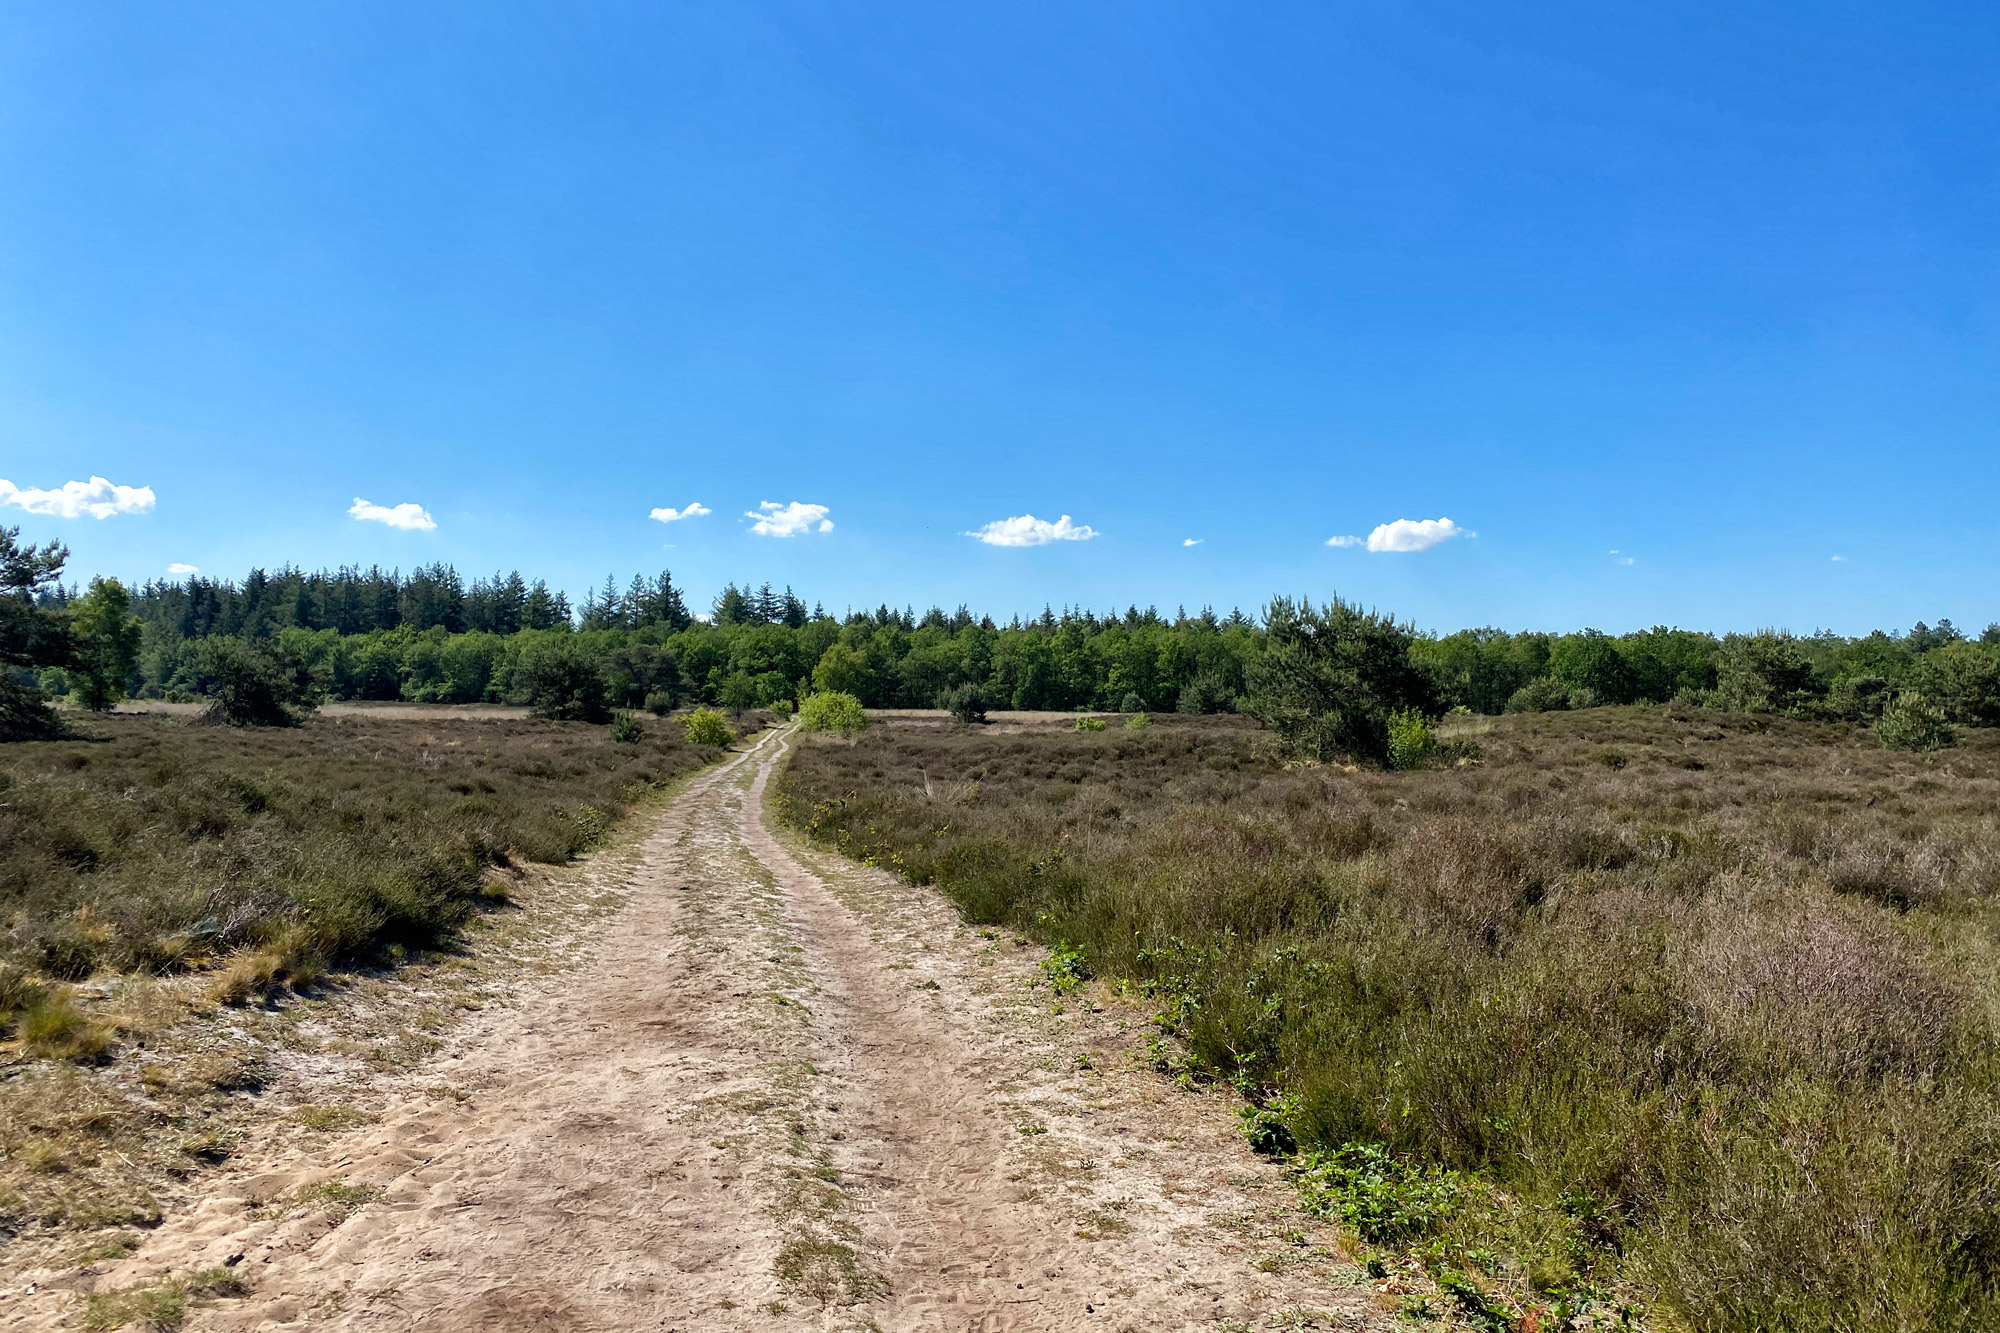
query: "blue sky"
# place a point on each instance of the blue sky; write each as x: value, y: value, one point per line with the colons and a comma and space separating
x: 1663, y: 308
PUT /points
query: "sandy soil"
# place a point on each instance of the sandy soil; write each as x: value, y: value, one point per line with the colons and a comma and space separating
x: 781, y: 1091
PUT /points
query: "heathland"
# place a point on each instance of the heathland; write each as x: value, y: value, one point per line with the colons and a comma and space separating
x: 1585, y: 972
x: 155, y: 874
x: 1657, y: 1004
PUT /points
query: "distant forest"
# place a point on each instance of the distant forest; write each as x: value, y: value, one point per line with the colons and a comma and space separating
x: 429, y: 635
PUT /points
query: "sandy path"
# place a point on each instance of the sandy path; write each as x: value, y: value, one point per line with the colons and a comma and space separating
x: 784, y: 1092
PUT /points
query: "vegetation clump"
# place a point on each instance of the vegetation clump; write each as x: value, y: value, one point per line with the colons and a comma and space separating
x: 965, y: 702
x: 707, y: 726
x: 1668, y: 1005
x: 253, y: 684
x: 158, y: 846
x: 1330, y: 678
x: 1912, y: 722
x: 32, y: 639
x: 1412, y: 739
x: 833, y: 712
x: 560, y: 681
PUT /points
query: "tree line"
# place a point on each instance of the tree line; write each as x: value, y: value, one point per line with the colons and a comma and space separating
x: 432, y: 636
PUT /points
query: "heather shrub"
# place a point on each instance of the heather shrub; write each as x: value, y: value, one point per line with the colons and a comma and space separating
x: 156, y: 847
x: 1674, y: 1007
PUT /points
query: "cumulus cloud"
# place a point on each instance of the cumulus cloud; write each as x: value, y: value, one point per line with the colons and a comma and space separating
x: 1027, y: 530
x: 1840, y: 560
x: 671, y: 515
x: 1194, y: 541
x: 1415, y: 534
x: 178, y: 568
x: 408, y: 517
x: 1343, y: 541
x: 788, y: 520
x: 96, y: 498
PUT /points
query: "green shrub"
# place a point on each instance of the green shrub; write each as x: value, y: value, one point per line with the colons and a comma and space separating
x: 1859, y: 698
x: 1382, y: 1199
x: 966, y: 703
x: 560, y: 681
x: 107, y: 644
x: 1090, y: 724
x: 833, y: 711
x: 782, y: 709
x: 1136, y: 722
x: 627, y: 729
x: 253, y: 684
x: 1131, y: 703
x: 1206, y: 692
x: 659, y: 703
x: 1912, y: 722
x: 1545, y: 694
x: 1329, y: 677
x: 707, y: 726
x: 32, y: 635
x: 1065, y: 968
x: 1962, y: 680
x: 1766, y: 673
x: 1412, y: 740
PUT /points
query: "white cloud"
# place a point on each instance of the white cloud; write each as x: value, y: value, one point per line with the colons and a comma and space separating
x: 1194, y: 541
x: 1415, y: 534
x: 672, y: 515
x: 1343, y: 541
x: 408, y: 517
x: 97, y: 497
x: 178, y: 568
x: 1027, y: 530
x: 789, y: 520
x: 1840, y: 560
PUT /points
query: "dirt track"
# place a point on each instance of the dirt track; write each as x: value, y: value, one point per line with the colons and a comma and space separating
x: 784, y: 1092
